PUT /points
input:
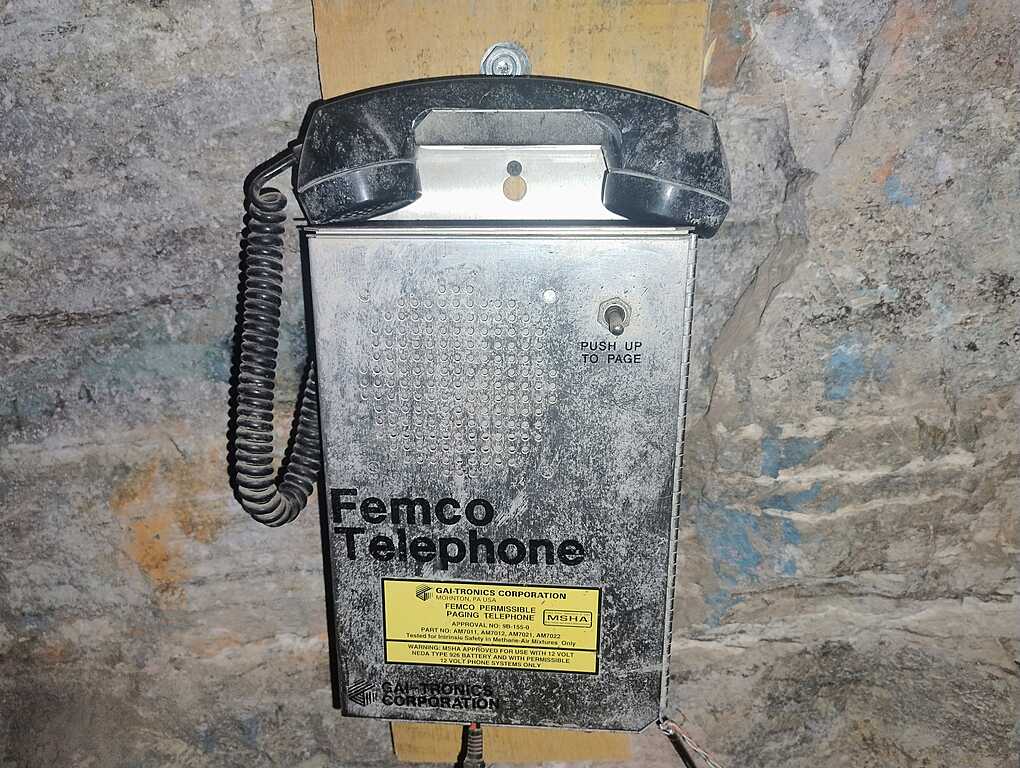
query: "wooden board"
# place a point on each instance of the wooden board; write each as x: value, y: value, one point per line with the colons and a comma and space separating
x: 441, y: 743
x: 655, y: 45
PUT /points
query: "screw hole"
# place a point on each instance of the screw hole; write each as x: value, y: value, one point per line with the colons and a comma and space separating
x: 515, y: 188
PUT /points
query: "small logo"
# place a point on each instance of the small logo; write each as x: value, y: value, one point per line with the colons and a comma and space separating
x: 423, y: 593
x: 567, y: 619
x: 361, y: 692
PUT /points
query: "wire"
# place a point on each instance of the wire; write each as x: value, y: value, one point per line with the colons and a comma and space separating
x: 473, y: 747
x: 270, y: 499
x: 682, y: 741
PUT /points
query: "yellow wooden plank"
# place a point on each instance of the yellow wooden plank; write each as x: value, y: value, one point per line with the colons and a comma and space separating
x: 441, y: 743
x: 655, y: 45
x: 649, y: 45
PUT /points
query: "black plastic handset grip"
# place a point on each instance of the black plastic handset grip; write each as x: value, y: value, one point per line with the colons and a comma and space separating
x: 665, y: 160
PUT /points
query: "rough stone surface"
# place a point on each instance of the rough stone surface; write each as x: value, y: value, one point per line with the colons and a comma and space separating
x: 848, y: 553
x: 848, y: 562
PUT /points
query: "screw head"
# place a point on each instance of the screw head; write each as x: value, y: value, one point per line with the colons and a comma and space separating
x: 505, y: 59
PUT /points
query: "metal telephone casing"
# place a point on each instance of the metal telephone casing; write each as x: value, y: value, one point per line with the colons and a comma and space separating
x: 501, y: 274
x: 456, y: 363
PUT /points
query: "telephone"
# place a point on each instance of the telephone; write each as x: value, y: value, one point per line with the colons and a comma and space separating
x: 501, y: 275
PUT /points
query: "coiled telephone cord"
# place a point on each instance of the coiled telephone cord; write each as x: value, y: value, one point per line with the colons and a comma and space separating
x: 270, y: 499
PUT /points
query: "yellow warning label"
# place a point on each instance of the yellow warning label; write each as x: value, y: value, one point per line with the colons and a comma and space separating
x: 476, y: 624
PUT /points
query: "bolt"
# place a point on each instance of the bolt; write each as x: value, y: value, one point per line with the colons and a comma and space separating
x: 505, y: 59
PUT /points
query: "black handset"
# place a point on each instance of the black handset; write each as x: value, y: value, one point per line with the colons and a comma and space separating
x: 665, y: 163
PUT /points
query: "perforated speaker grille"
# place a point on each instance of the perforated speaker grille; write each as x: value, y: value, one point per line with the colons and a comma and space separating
x: 460, y: 379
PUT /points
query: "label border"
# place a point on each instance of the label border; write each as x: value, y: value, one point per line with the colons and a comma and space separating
x: 598, y: 629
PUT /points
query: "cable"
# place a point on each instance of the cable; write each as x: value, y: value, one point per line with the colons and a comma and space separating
x: 473, y: 748
x: 681, y: 749
x: 270, y: 500
x: 681, y: 741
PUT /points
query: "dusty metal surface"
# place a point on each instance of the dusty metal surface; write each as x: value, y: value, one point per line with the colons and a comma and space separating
x: 472, y: 183
x: 470, y: 365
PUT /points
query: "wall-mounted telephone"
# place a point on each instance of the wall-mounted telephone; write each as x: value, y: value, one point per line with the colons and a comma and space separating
x: 501, y: 274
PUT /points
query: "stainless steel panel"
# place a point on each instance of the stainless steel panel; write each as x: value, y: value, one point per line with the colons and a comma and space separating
x: 474, y: 363
x: 467, y: 184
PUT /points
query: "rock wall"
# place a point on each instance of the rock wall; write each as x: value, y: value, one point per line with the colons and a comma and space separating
x: 848, y: 551
x: 849, y: 560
